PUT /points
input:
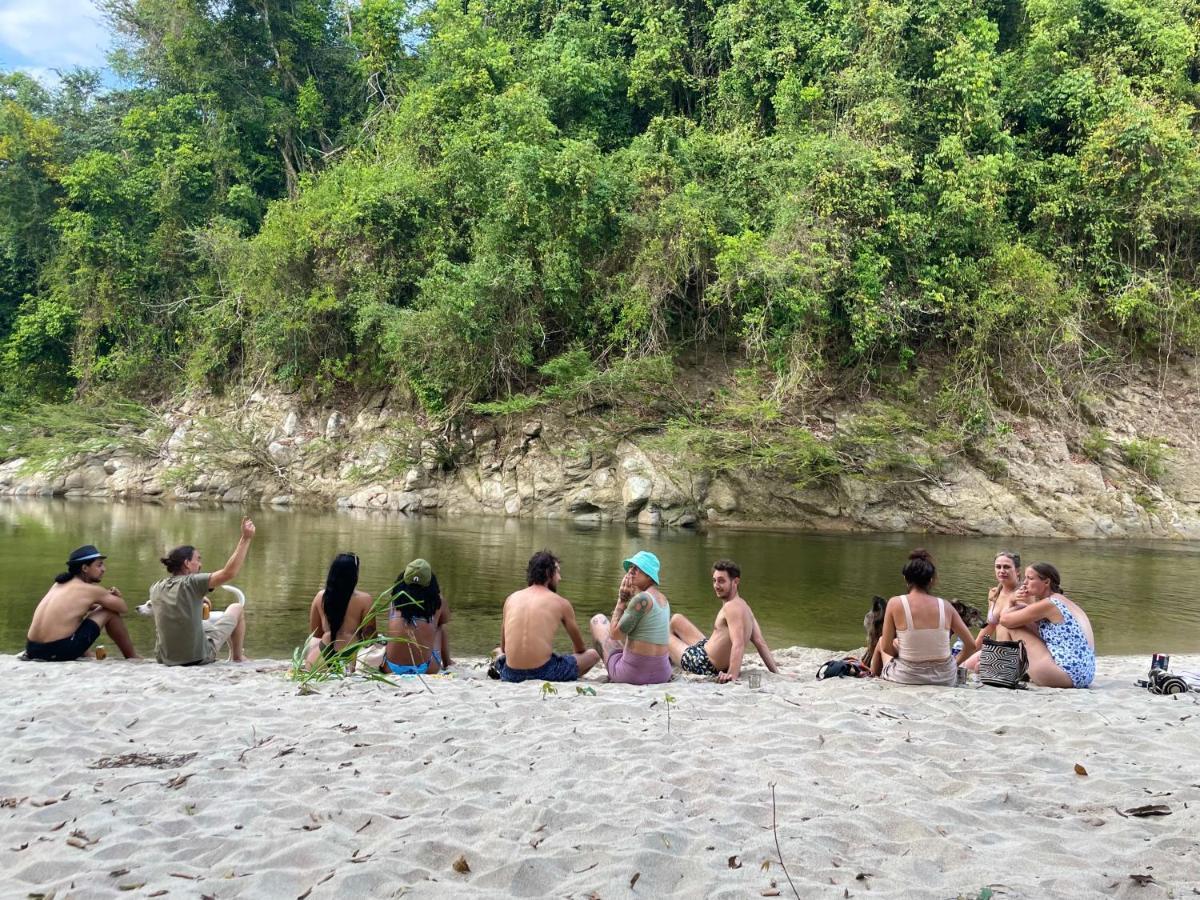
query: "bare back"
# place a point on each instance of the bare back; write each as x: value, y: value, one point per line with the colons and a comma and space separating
x: 356, y: 610
x: 412, y: 643
x: 925, y: 612
x: 63, y: 608
x: 531, y: 620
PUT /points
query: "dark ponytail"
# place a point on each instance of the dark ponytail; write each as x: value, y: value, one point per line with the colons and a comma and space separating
x: 73, y: 570
x: 919, y: 571
x: 339, y: 588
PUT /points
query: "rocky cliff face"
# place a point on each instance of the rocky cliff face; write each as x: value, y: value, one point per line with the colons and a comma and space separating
x: 264, y: 449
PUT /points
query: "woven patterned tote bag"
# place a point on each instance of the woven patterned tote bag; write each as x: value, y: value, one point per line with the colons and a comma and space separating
x: 1003, y: 663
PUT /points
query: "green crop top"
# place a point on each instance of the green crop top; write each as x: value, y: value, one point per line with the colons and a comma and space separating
x: 645, y: 621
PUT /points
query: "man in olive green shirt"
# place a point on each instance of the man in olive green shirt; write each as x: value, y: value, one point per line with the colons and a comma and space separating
x: 185, y: 637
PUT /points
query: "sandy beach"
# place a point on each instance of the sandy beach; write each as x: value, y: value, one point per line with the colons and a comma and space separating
x: 133, y: 779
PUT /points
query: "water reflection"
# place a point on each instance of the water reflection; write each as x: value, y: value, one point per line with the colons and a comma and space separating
x: 809, y: 589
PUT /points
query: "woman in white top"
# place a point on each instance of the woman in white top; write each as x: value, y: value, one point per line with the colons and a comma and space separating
x: 915, y: 645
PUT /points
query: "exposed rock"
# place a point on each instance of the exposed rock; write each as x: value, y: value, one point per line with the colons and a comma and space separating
x: 1036, y: 482
x: 635, y: 493
x: 335, y: 425
x: 279, y: 452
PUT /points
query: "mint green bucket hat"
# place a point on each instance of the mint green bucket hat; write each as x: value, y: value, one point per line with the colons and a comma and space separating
x: 645, y: 561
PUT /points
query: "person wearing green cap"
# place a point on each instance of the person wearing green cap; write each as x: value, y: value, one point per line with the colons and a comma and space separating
x: 69, y: 618
x: 720, y: 655
x: 634, y: 641
x: 417, y: 643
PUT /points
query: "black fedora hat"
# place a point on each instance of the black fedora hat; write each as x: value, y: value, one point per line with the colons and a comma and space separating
x: 85, y: 554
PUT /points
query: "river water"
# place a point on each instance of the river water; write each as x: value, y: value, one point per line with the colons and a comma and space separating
x: 806, y: 589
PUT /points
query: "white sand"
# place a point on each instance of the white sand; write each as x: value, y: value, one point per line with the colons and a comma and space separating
x: 365, y: 790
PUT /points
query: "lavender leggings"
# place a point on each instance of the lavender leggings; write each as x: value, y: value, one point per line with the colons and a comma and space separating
x: 626, y: 667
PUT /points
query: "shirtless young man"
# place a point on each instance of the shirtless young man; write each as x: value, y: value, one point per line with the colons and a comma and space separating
x: 530, y: 620
x: 68, y: 619
x: 720, y: 655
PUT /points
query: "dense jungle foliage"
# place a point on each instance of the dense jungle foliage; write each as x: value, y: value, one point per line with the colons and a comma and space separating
x: 479, y: 200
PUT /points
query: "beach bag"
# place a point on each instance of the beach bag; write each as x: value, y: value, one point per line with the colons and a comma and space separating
x: 1003, y: 663
x: 850, y: 667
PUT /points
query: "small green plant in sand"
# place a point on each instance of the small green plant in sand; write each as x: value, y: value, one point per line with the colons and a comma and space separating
x: 585, y: 691
x: 548, y: 689
x: 669, y: 700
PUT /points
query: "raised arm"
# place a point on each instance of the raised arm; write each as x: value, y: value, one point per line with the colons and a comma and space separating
x: 625, y: 619
x: 230, y: 570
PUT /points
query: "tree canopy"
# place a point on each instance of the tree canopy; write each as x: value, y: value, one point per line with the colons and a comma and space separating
x: 450, y: 197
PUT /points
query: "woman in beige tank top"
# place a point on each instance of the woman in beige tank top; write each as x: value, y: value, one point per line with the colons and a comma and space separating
x: 915, y: 645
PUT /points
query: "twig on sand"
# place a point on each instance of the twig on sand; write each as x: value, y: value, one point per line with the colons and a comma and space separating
x: 778, y: 851
x: 149, y: 760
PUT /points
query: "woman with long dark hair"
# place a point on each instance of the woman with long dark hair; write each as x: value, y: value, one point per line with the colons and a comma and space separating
x: 338, y: 616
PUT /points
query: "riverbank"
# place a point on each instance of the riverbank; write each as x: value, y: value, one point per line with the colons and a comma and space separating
x: 1128, y: 469
x: 130, y: 779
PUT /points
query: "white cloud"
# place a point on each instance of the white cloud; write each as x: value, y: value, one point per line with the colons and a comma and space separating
x: 49, y: 78
x: 52, y: 34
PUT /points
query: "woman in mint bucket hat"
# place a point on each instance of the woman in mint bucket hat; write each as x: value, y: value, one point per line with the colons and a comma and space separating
x: 646, y: 561
x: 634, y: 642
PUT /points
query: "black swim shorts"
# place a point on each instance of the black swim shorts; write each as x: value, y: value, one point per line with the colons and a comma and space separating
x: 67, y: 648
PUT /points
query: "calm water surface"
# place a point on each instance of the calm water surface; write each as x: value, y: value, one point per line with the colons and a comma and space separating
x: 806, y: 589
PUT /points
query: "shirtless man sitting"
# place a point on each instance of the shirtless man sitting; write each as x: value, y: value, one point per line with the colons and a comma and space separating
x: 69, y: 618
x: 530, y: 620
x: 720, y: 655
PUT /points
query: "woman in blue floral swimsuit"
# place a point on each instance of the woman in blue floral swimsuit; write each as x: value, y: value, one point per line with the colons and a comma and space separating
x: 1056, y: 632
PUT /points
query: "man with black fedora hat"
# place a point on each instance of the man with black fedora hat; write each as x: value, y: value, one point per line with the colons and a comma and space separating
x: 70, y: 617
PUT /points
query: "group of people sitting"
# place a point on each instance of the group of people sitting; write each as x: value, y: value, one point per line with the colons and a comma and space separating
x: 1024, y: 606
x: 641, y: 642
x: 71, y: 615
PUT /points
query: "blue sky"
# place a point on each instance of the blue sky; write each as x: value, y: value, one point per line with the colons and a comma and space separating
x: 39, y: 36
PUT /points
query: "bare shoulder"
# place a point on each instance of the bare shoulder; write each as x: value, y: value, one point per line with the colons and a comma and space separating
x: 564, y: 604
x: 743, y: 610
